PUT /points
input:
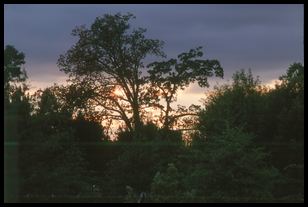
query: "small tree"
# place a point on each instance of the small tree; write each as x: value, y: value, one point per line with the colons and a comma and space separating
x: 165, y: 186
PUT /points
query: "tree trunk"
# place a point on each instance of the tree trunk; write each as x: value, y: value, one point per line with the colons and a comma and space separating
x: 166, y: 125
x: 137, y: 121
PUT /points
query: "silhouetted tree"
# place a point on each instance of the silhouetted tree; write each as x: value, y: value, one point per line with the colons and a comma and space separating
x: 168, y: 77
x: 17, y: 109
x: 17, y: 105
x: 13, y: 71
x: 107, y: 60
x: 106, y: 67
x: 238, y: 104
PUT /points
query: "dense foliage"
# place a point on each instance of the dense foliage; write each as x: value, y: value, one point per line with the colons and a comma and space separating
x: 248, y: 145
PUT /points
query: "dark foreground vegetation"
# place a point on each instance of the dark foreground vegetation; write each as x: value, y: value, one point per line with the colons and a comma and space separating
x: 246, y: 142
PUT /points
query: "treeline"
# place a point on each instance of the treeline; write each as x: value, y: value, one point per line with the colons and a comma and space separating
x: 246, y: 143
x: 248, y: 147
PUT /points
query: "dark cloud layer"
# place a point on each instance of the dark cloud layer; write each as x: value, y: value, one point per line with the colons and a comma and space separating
x: 265, y: 38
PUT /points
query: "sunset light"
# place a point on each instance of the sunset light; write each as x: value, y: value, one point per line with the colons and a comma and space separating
x: 153, y: 103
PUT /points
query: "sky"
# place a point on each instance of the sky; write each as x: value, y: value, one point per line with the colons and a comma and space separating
x: 265, y: 38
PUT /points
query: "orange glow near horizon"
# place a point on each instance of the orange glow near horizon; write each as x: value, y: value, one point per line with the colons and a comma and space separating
x: 272, y: 83
x: 185, y: 98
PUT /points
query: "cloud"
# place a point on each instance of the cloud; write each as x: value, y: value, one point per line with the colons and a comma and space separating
x: 265, y: 38
x: 187, y: 99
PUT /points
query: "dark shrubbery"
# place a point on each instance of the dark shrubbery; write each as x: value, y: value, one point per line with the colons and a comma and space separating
x: 248, y: 148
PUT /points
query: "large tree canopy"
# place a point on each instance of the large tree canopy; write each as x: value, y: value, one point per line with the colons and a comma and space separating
x: 107, y: 62
x: 106, y: 66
